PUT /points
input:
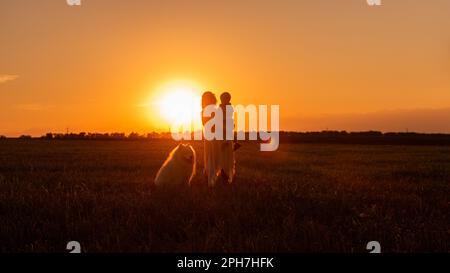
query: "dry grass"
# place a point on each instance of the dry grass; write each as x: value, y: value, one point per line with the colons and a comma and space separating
x: 302, y: 198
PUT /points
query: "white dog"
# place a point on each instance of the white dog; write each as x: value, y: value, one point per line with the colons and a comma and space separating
x: 179, y: 167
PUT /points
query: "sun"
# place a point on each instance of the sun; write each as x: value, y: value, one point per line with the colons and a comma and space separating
x: 179, y: 106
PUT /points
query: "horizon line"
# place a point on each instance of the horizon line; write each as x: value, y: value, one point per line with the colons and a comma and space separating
x: 134, y: 134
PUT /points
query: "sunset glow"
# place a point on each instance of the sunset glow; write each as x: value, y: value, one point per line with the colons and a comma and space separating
x: 343, y: 65
x: 178, y: 104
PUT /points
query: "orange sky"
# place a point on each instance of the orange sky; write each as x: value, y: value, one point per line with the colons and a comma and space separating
x: 328, y: 63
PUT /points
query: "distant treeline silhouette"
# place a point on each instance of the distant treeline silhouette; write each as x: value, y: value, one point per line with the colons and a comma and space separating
x: 106, y: 136
x: 331, y: 137
x: 369, y: 137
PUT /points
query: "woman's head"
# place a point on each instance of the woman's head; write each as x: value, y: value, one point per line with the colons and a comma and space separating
x: 208, y: 98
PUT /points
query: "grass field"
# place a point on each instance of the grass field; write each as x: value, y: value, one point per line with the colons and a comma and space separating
x: 302, y: 198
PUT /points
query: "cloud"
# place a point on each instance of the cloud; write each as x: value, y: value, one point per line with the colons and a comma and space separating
x: 7, y: 78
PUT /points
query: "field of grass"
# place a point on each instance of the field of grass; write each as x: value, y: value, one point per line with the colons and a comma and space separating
x: 302, y: 198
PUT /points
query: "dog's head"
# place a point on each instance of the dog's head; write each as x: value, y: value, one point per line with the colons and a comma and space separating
x: 185, y: 153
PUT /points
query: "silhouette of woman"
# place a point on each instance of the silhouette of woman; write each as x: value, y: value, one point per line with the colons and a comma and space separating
x: 210, y: 151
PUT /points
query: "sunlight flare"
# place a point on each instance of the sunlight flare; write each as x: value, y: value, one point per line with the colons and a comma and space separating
x: 179, y: 105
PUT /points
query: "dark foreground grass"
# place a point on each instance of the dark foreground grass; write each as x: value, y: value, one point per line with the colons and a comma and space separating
x: 302, y: 198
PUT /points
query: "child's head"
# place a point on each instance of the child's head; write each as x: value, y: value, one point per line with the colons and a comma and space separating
x: 225, y: 98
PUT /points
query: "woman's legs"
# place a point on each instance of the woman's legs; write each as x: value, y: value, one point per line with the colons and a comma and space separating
x: 210, y: 162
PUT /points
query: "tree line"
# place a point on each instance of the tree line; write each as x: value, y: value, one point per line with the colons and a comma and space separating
x: 338, y: 137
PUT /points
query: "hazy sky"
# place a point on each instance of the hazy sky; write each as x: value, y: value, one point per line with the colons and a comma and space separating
x: 336, y: 64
